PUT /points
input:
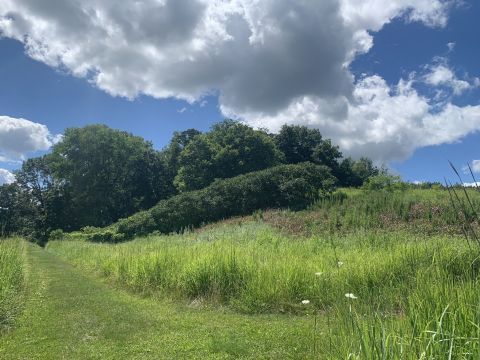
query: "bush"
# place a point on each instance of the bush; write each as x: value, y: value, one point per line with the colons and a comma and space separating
x: 385, y: 182
x: 103, y: 235
x: 285, y: 186
x: 56, y: 235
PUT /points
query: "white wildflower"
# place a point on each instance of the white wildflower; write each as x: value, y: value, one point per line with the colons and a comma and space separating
x: 306, y: 302
x: 340, y: 263
x: 350, y: 296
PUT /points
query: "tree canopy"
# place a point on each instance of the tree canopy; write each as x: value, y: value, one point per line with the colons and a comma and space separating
x: 96, y: 175
x: 228, y: 150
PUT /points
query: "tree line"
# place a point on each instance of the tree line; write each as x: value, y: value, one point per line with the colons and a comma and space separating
x: 97, y: 175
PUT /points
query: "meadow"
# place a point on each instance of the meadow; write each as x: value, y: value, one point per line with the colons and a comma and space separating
x: 387, y: 275
x: 12, y: 278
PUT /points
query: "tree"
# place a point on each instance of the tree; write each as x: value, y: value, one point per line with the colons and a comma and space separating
x: 327, y: 154
x: 242, y: 149
x: 298, y: 143
x: 197, y: 164
x: 384, y: 181
x: 108, y: 174
x: 346, y: 175
x: 363, y: 169
x: 355, y: 173
x: 41, y: 200
x: 228, y: 150
x: 172, y: 153
x: 8, y: 210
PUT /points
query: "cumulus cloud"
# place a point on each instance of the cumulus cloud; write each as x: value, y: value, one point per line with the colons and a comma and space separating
x: 19, y: 137
x: 269, y: 61
x: 380, y: 121
x: 440, y: 74
x: 475, y: 166
x: 6, y: 177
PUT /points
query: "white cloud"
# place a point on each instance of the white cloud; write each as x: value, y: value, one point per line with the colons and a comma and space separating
x: 441, y: 75
x: 475, y: 166
x: 383, y: 122
x: 472, y: 184
x: 6, y: 177
x: 248, y: 50
x: 19, y: 137
x: 270, y: 61
x: 451, y: 46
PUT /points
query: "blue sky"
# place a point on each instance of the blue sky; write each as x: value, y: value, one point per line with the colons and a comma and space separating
x: 417, y: 60
x: 401, y: 48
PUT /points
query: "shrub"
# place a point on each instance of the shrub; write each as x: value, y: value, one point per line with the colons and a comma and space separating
x: 285, y: 186
x: 103, y: 235
x: 56, y: 235
x: 384, y: 182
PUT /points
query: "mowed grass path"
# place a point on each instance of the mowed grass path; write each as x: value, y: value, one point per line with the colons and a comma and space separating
x: 69, y: 315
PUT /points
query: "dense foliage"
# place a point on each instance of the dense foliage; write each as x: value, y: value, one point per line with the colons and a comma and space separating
x: 108, y: 178
x: 293, y: 186
x: 230, y: 149
x: 96, y: 175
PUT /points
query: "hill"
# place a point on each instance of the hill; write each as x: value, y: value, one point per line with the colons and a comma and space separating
x: 379, y: 274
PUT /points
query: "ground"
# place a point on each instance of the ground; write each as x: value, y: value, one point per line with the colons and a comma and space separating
x: 69, y: 315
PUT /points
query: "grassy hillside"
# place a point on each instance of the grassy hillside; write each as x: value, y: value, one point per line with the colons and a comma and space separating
x: 387, y: 274
x: 12, y: 277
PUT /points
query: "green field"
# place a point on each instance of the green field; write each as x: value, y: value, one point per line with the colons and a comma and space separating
x: 361, y: 275
x: 12, y: 280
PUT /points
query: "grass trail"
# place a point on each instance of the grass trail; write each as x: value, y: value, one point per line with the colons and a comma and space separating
x: 69, y: 315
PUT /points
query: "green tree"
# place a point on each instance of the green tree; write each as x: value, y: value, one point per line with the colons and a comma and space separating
x: 385, y: 181
x: 242, y: 149
x: 363, y: 169
x: 298, y: 143
x: 172, y: 152
x: 327, y: 154
x: 9, y: 210
x: 108, y: 174
x: 41, y: 201
x: 228, y: 150
x: 197, y: 164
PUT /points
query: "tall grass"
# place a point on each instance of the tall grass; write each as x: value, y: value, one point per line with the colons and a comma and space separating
x: 12, y: 257
x: 417, y: 292
x: 420, y: 211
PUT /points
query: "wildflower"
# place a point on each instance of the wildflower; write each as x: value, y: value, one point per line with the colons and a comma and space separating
x: 318, y: 273
x: 340, y: 263
x: 350, y: 296
x: 306, y: 302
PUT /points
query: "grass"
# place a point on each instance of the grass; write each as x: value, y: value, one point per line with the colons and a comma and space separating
x: 415, y: 280
x: 70, y: 315
x: 425, y: 212
x: 254, y: 268
x: 12, y: 277
x: 416, y: 294
x: 235, y: 289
